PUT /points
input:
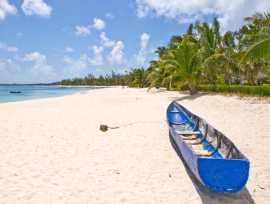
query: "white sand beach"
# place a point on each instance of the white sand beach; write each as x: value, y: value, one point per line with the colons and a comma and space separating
x: 51, y: 150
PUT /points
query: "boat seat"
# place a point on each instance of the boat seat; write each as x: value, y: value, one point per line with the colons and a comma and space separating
x: 203, y: 153
x: 199, y: 150
x: 190, y: 137
x: 197, y: 147
x: 187, y: 133
x: 202, y: 139
x: 177, y: 123
x: 184, y: 129
x: 192, y: 143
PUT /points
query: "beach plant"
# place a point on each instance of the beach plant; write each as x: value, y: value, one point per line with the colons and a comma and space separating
x: 182, y: 61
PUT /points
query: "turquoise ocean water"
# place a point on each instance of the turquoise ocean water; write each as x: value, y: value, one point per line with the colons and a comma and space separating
x: 28, y: 92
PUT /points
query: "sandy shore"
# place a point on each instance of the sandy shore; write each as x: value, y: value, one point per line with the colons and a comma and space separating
x: 51, y: 150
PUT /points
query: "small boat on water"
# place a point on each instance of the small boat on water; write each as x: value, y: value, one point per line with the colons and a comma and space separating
x: 210, y: 155
x: 15, y: 92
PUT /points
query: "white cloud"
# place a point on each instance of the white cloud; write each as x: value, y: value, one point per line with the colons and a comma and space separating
x: 7, y: 65
x: 141, y: 56
x: 8, y: 48
x: 75, y: 67
x: 12, y: 49
x: 117, y: 54
x: 69, y: 50
x: 105, y: 41
x: 41, y: 70
x: 230, y: 14
x: 35, y: 57
x: 36, y: 7
x: 78, y: 64
x: 97, y: 59
x: 9, y: 71
x: 98, y: 24
x: 31, y: 68
x: 6, y: 9
x: 145, y: 37
x: 82, y: 30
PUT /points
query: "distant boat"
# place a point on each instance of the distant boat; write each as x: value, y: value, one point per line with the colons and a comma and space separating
x: 15, y: 92
x: 210, y: 155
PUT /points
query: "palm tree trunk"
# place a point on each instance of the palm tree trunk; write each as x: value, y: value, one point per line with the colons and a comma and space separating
x: 170, y: 86
x: 193, y: 89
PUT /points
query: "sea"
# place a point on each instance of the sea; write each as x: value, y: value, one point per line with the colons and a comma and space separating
x: 12, y: 93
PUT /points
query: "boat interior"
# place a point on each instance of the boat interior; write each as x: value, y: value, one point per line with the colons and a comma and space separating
x: 203, y: 139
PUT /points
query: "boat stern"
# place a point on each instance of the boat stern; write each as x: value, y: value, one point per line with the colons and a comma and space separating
x: 223, y: 175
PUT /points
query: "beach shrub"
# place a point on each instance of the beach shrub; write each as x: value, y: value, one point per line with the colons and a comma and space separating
x: 259, y: 90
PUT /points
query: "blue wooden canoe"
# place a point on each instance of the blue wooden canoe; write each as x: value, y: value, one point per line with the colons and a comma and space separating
x: 210, y: 155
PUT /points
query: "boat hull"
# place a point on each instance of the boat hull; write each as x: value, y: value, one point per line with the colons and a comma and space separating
x: 216, y: 174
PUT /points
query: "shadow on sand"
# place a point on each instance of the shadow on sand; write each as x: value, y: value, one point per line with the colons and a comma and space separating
x: 209, y: 197
x: 188, y: 97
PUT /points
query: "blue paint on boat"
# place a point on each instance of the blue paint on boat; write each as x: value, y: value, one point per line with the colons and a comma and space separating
x: 177, y: 116
x: 226, y: 169
x: 224, y: 175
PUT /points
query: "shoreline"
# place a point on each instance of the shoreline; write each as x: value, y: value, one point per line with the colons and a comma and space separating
x: 59, y: 94
x: 253, y: 99
x: 53, y: 152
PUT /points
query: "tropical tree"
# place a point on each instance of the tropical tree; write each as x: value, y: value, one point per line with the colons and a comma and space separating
x: 138, y: 78
x: 183, y: 62
x: 256, y: 37
x: 156, y: 73
x: 209, y: 38
x: 255, y: 48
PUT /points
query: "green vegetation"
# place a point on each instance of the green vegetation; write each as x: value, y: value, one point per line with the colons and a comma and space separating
x: 108, y: 80
x: 204, y: 59
x: 262, y: 90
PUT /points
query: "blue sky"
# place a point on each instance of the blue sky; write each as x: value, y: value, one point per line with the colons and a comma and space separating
x: 48, y: 40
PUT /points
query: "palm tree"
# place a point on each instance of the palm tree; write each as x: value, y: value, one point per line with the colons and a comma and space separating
x: 138, y: 78
x: 183, y: 62
x: 156, y: 73
x: 255, y: 44
x: 256, y: 37
x: 215, y: 58
x: 217, y: 54
x: 209, y: 38
x: 259, y: 50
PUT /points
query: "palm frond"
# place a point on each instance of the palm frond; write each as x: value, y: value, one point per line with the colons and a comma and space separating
x: 259, y: 50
